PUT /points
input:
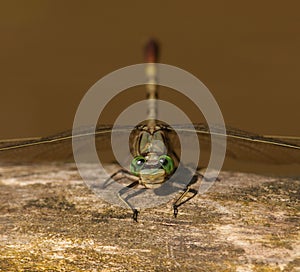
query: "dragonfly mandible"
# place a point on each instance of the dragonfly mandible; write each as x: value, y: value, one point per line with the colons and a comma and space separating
x: 154, y: 147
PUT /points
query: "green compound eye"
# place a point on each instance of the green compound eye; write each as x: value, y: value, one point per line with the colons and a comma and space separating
x: 137, y: 164
x: 167, y: 163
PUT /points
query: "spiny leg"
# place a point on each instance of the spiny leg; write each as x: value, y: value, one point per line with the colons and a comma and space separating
x: 125, y: 172
x: 135, y: 182
x: 180, y: 200
x: 126, y: 189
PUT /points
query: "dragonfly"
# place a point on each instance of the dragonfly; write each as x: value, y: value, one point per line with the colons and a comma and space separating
x: 155, y: 147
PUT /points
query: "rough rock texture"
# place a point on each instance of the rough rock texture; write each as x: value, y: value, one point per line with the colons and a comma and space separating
x: 51, y: 221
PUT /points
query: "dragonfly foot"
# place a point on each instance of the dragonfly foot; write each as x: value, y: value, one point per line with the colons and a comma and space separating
x: 175, y: 208
x: 135, y: 215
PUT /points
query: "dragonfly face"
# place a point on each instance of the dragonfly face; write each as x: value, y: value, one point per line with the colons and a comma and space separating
x: 151, y: 162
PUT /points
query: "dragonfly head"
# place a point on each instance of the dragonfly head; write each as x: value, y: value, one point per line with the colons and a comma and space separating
x: 152, y: 169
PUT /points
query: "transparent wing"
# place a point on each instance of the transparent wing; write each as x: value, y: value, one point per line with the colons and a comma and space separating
x: 57, y: 148
x: 245, y: 151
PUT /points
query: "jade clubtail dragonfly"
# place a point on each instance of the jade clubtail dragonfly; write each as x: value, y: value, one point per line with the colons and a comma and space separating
x: 155, y: 148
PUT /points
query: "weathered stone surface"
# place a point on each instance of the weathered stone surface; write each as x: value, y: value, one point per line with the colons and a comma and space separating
x: 50, y: 221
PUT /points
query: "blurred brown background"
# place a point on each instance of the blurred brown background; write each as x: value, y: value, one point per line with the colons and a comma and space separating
x: 51, y: 52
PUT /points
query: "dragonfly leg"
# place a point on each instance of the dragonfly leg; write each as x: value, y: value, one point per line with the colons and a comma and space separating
x: 180, y: 200
x: 122, y: 171
x: 135, y: 215
x: 126, y: 189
